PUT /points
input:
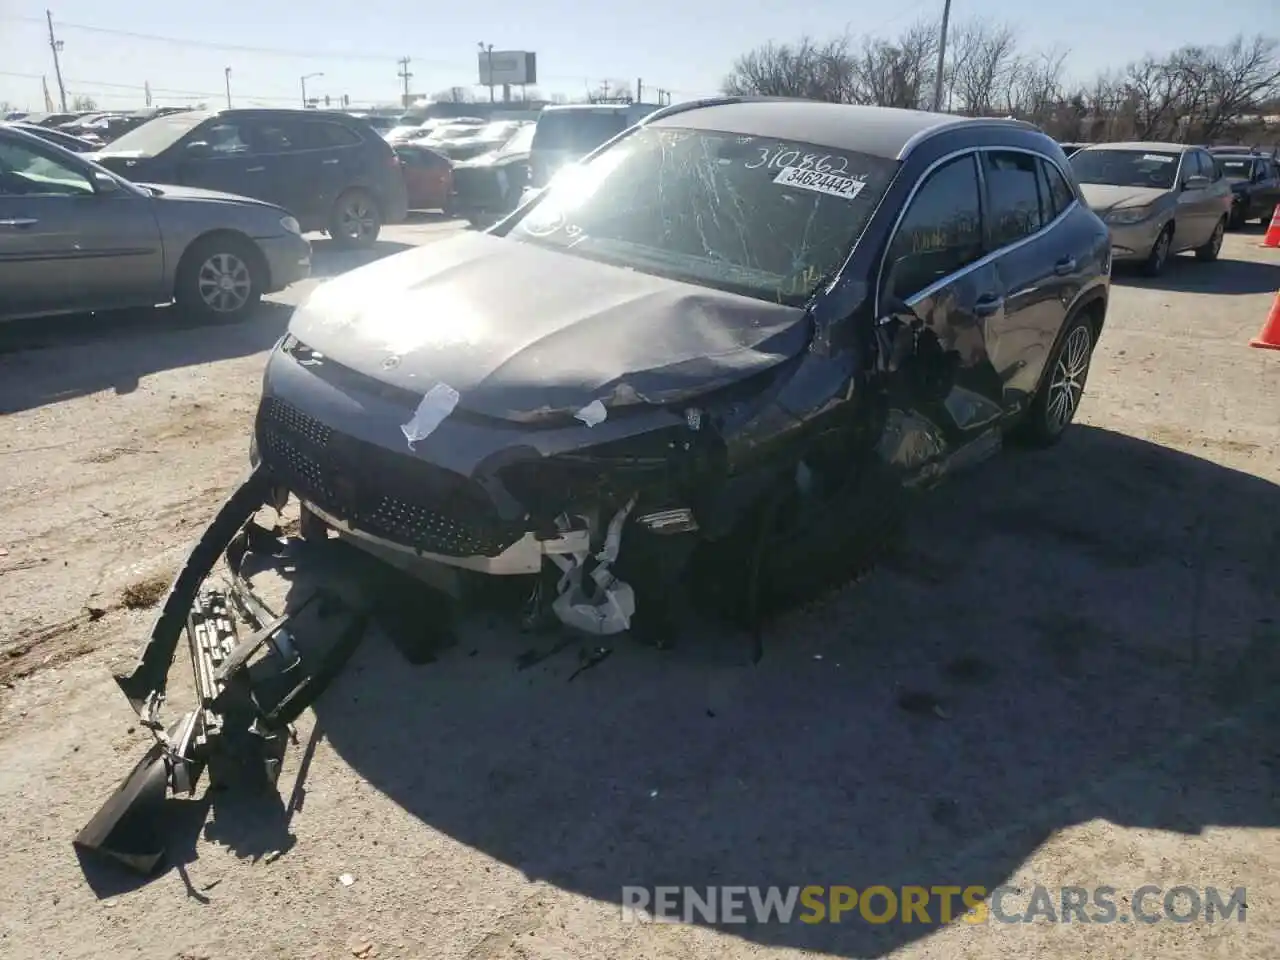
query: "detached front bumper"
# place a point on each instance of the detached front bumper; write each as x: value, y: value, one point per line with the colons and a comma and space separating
x: 248, y: 689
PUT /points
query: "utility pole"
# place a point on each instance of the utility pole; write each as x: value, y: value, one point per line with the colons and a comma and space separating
x: 56, y: 46
x: 942, y: 57
x: 226, y: 75
x: 487, y: 50
x: 404, y: 75
x: 639, y: 90
x: 146, y: 91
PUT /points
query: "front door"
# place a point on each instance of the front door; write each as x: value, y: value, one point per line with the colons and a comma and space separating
x: 67, y: 244
x: 219, y: 155
x: 937, y: 269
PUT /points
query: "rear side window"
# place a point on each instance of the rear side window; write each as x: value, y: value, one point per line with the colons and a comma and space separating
x: 320, y: 135
x: 1014, y: 189
x: 579, y: 131
x: 941, y: 231
x: 1061, y: 195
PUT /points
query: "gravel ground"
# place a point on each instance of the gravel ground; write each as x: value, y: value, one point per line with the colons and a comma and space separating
x: 1096, y: 623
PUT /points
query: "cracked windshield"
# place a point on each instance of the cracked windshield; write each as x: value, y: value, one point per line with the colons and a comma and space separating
x: 766, y: 218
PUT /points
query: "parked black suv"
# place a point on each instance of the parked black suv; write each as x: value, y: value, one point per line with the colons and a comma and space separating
x: 330, y: 170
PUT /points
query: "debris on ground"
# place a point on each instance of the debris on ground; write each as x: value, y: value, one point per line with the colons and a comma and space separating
x: 588, y: 660
x: 144, y: 594
x: 346, y: 879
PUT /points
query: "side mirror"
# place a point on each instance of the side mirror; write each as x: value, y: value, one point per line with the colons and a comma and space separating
x: 198, y: 149
x: 105, y: 183
x: 1196, y: 183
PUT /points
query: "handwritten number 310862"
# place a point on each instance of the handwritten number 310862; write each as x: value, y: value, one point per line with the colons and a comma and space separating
x: 778, y: 157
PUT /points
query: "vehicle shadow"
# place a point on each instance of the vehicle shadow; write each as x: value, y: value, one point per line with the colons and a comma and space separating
x: 1065, y: 636
x: 328, y: 259
x: 142, y: 342
x: 1223, y: 277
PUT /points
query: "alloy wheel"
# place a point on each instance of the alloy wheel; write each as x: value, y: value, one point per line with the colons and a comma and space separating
x: 357, y: 220
x: 1069, y: 373
x: 1215, y: 244
x: 225, y: 283
x: 1161, y: 251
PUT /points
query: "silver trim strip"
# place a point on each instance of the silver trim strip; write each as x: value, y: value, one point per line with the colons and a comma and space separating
x: 986, y: 258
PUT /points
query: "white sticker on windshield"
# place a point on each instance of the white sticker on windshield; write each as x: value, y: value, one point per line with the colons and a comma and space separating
x: 437, y: 404
x: 1158, y: 158
x: 829, y: 183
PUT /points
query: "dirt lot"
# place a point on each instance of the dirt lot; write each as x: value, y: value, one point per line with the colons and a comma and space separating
x: 1053, y: 603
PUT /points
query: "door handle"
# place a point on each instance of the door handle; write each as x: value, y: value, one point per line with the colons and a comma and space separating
x: 1065, y: 266
x: 330, y: 162
x: 987, y: 305
x: 18, y: 222
x: 255, y: 170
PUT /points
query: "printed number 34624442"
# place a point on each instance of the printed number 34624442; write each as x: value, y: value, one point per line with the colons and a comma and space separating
x: 783, y: 156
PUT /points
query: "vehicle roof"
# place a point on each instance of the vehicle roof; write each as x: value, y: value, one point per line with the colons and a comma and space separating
x: 877, y: 131
x: 562, y: 107
x: 1144, y: 145
x: 279, y: 111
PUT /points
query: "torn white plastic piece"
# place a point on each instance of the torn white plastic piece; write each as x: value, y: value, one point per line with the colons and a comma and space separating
x: 603, y: 605
x: 437, y: 404
x: 593, y: 413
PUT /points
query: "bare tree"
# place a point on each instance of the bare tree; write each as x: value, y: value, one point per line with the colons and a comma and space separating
x: 805, y: 69
x: 1033, y: 91
x: 984, y: 63
x: 898, y: 73
x: 84, y: 103
x: 611, y: 89
x: 454, y: 95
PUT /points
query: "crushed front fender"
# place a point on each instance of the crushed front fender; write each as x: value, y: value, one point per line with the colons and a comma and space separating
x: 248, y: 689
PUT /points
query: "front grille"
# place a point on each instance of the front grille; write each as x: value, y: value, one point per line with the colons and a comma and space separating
x: 392, y: 496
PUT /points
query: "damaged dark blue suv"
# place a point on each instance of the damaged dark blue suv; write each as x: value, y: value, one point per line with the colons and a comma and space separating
x: 704, y: 361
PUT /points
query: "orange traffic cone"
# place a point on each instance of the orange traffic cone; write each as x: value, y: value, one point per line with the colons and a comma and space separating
x: 1268, y: 337
x: 1272, y: 239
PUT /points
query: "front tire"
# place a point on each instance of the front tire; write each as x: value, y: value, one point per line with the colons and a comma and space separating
x: 1059, y: 396
x: 1158, y: 258
x: 355, y: 221
x: 1213, y: 246
x: 220, y: 278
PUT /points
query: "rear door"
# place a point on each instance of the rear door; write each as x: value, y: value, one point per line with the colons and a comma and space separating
x: 333, y: 159
x: 281, y: 161
x: 940, y: 269
x: 66, y: 246
x: 1268, y: 189
x: 1036, y: 267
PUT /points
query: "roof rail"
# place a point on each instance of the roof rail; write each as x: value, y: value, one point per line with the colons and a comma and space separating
x: 674, y: 108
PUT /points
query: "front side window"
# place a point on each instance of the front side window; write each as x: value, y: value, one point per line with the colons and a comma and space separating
x: 753, y: 215
x: 225, y: 138
x: 1126, y: 168
x: 1013, y: 186
x: 27, y: 173
x: 941, y: 232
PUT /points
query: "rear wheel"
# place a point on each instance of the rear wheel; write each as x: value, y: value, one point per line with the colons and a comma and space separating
x: 356, y: 220
x: 1213, y: 246
x: 220, y: 277
x: 1055, y: 405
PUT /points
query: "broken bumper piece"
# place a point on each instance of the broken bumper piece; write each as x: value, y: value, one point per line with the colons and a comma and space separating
x: 249, y: 689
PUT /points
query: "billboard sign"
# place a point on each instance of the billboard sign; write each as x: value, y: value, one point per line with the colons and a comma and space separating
x: 507, y: 66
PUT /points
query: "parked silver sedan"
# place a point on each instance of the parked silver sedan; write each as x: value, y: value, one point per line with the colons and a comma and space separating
x: 75, y: 237
x: 1158, y: 199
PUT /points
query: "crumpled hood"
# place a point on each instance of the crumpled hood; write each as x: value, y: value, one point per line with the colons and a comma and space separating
x: 1104, y: 197
x: 524, y: 333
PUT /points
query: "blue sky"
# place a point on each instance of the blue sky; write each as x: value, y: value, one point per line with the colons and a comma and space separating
x: 679, y: 45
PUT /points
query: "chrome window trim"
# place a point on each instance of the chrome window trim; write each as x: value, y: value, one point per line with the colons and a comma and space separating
x: 991, y: 255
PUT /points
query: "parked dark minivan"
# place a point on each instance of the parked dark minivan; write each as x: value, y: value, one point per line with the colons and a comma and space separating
x: 332, y: 171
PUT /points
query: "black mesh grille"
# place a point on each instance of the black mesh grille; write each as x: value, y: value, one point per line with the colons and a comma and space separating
x: 392, y: 496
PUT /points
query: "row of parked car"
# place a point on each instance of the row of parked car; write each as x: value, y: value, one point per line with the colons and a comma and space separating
x: 209, y: 207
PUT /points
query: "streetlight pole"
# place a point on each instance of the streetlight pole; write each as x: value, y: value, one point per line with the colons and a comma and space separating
x: 305, y: 78
x: 226, y: 75
x: 488, y: 52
